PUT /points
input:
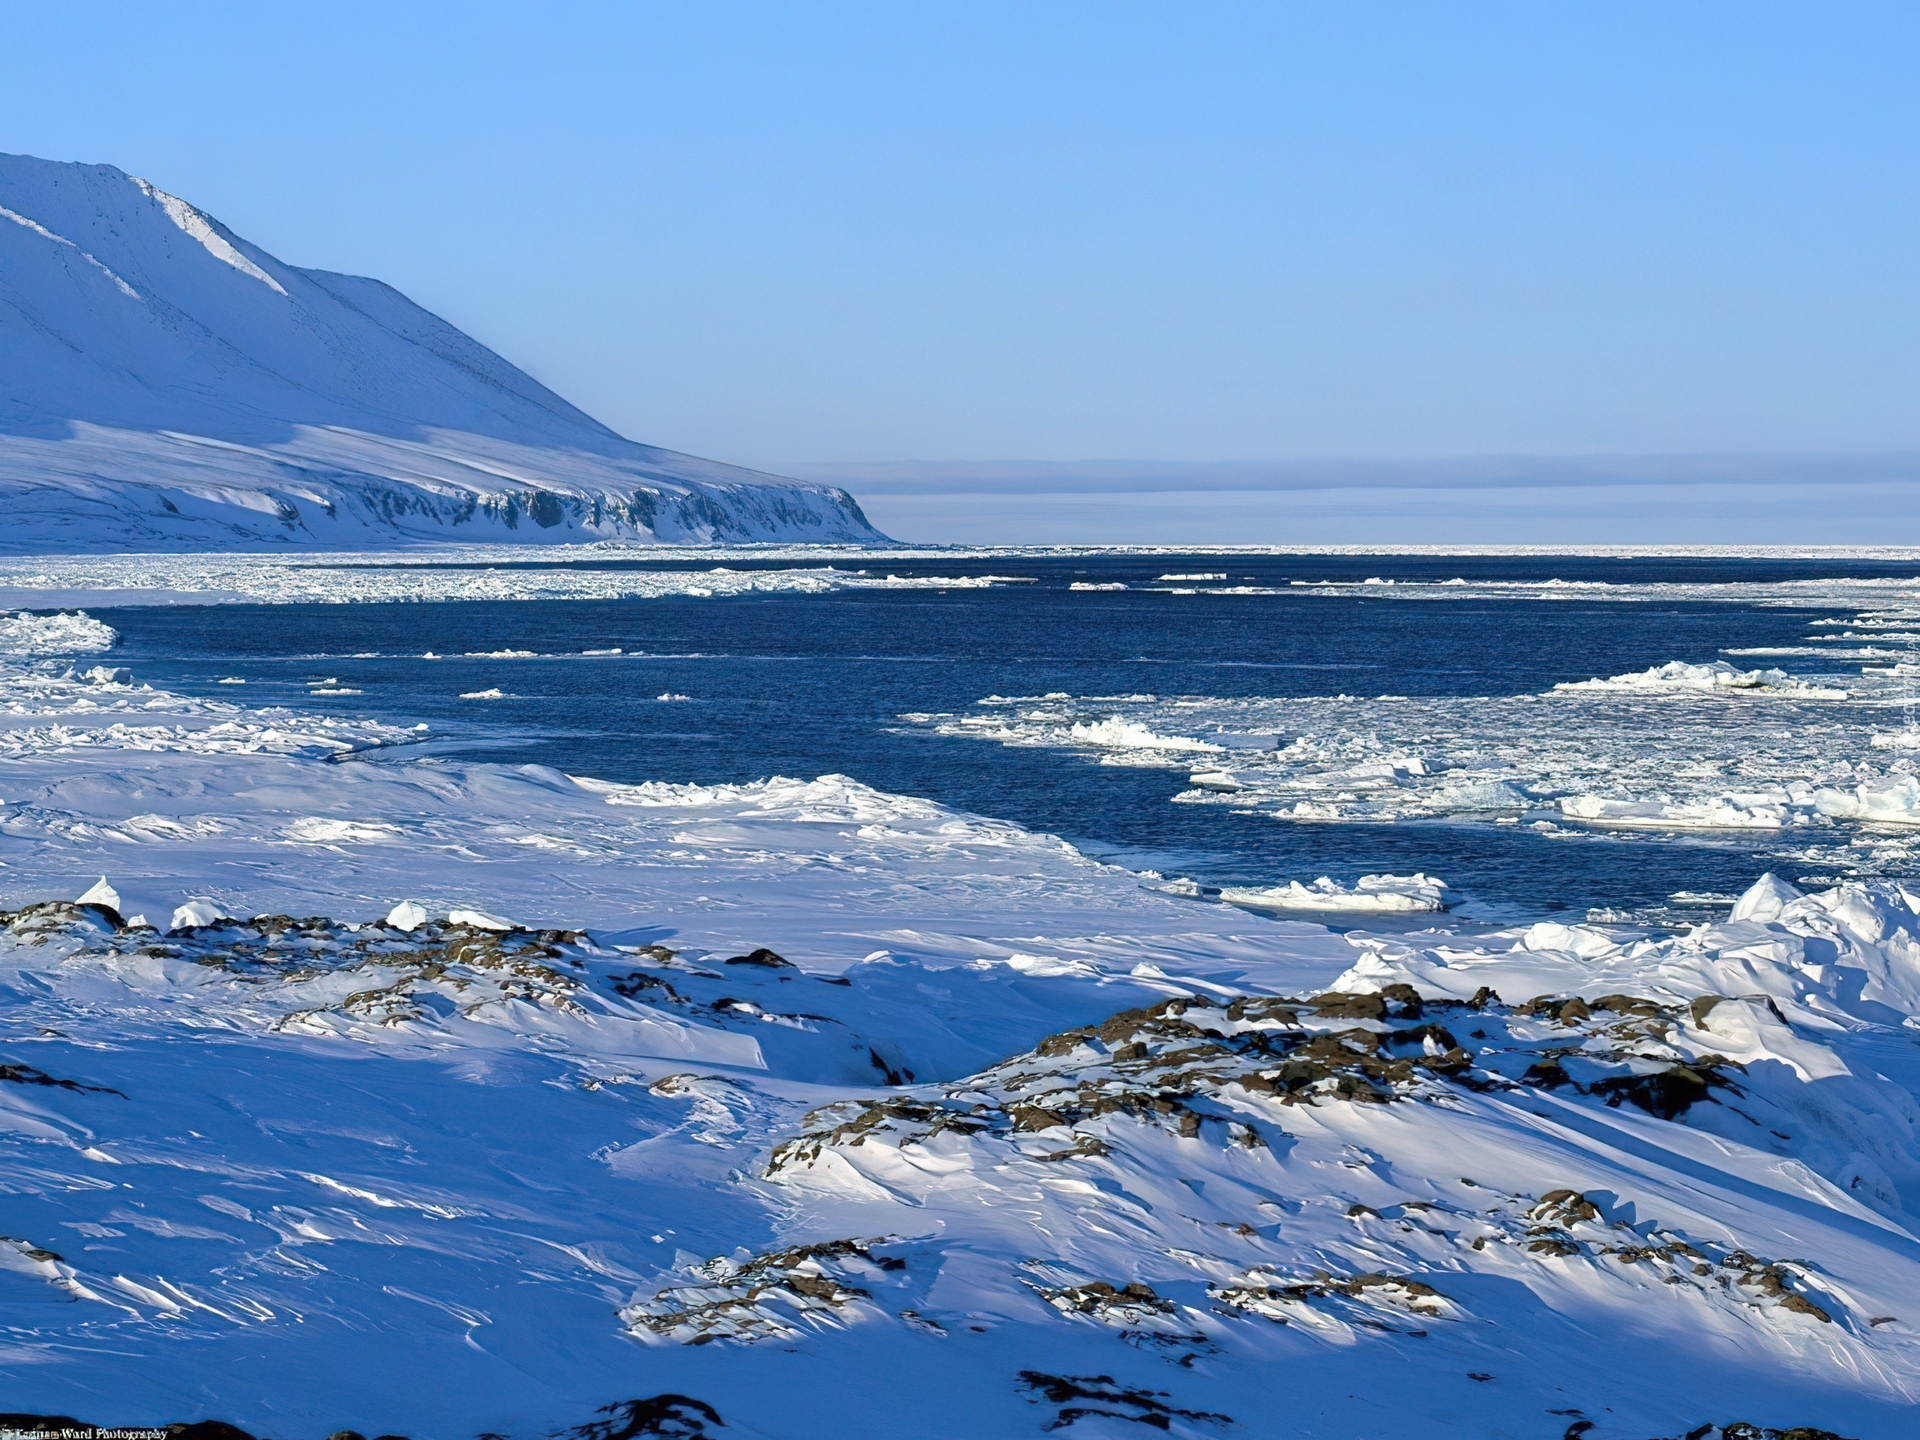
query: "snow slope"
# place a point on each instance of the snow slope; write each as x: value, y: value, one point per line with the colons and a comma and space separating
x: 805, y: 1110
x: 166, y: 385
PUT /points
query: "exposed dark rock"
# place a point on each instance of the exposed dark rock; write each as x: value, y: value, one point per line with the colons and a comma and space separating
x: 1667, y: 1093
x: 763, y: 957
x: 1109, y: 1399
x: 765, y: 1297
x: 27, y: 1075
x: 668, y: 1415
x: 1335, y: 1004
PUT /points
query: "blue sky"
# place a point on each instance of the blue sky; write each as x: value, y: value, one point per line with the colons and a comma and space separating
x: 1175, y: 232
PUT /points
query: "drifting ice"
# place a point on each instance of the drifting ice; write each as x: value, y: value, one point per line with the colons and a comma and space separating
x: 1375, y: 894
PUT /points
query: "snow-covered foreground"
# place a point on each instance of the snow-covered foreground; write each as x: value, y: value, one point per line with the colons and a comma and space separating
x: 838, y: 1113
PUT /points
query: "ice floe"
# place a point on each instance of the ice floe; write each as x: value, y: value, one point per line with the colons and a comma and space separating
x: 1679, y: 678
x: 1800, y: 757
x: 1370, y: 894
x: 61, y: 634
x: 1119, y: 734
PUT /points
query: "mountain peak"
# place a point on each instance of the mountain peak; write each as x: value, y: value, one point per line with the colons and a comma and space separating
x: 133, y: 323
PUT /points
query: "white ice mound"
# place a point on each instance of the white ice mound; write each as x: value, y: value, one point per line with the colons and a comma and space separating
x: 1718, y: 677
x: 1483, y: 795
x: 1118, y: 734
x: 101, y: 893
x: 1221, y: 780
x: 479, y: 920
x: 1802, y: 993
x: 196, y: 913
x: 1833, y: 958
x: 1723, y: 812
x: 1371, y: 894
x: 1765, y: 899
x: 406, y: 916
x: 67, y: 634
x: 1893, y: 800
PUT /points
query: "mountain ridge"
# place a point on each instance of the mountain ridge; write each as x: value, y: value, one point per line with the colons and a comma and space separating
x: 166, y: 384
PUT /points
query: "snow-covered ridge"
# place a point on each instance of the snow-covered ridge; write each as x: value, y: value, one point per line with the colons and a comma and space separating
x: 1164, y: 1185
x: 165, y: 385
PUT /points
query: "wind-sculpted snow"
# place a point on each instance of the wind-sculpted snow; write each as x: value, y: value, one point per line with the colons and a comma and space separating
x: 165, y: 385
x: 1414, y: 1199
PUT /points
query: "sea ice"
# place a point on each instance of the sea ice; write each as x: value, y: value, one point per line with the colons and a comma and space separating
x: 1119, y: 734
x: 1377, y: 894
x: 1679, y: 678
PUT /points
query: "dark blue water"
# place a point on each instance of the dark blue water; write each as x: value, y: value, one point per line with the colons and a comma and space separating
x: 804, y: 685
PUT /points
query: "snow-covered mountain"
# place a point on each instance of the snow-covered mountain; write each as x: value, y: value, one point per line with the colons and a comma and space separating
x: 166, y: 385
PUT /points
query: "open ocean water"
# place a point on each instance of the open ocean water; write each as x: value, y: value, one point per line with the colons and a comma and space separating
x: 1368, y: 733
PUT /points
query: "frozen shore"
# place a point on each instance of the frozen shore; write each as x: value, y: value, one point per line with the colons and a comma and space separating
x: 515, y: 1095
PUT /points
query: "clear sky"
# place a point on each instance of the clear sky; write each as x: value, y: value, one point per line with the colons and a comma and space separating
x: 1176, y: 232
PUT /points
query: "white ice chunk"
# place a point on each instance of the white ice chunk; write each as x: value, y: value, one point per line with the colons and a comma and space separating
x: 1765, y: 899
x: 324, y: 830
x: 1725, y: 812
x: 1677, y: 677
x: 406, y: 916
x: 198, y: 912
x: 1121, y: 734
x: 1213, y: 780
x: 479, y: 920
x: 1893, y: 800
x: 101, y: 894
x: 78, y: 633
x: 1371, y: 894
